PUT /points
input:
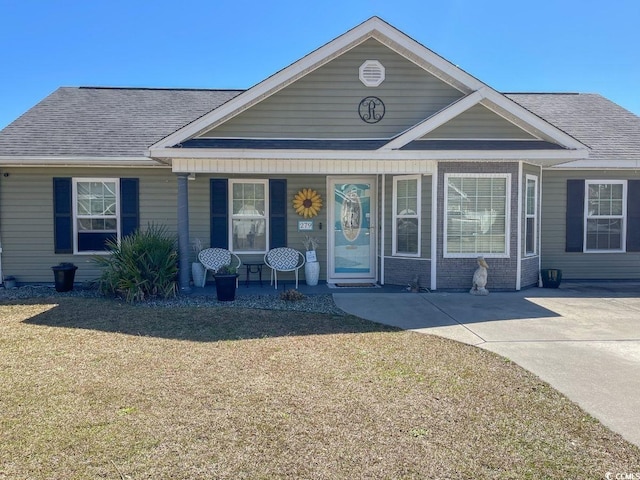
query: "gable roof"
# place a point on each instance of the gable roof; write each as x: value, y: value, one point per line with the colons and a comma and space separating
x: 94, y: 122
x: 375, y: 28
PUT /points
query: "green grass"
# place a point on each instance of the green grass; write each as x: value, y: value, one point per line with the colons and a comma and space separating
x: 93, y: 388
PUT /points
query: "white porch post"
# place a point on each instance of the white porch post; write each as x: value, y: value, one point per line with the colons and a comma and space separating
x: 183, y: 232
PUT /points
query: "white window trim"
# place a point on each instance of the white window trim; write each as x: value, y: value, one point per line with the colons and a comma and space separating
x: 395, y: 216
x: 623, y: 217
x: 507, y: 233
x: 264, y: 182
x: 75, y: 182
x: 534, y: 178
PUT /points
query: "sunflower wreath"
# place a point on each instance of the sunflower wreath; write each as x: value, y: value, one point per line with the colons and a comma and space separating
x: 307, y: 203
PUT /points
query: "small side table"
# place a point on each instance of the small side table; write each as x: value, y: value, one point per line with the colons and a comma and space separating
x: 253, y: 268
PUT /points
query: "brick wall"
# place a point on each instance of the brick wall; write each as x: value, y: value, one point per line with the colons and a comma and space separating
x: 457, y: 273
x: 401, y: 271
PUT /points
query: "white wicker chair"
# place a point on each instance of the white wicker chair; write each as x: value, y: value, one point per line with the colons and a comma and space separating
x: 283, y: 259
x: 214, y: 258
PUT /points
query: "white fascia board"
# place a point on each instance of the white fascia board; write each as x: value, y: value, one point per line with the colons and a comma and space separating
x: 425, y: 58
x: 372, y: 28
x: 555, y: 156
x: 434, y: 121
x: 533, y: 120
x: 274, y: 83
x: 586, y: 164
x: 50, y: 161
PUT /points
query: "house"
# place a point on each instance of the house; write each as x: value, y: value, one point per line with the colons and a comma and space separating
x: 420, y: 167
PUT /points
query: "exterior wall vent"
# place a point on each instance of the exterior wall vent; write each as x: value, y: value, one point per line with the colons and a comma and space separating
x: 372, y: 73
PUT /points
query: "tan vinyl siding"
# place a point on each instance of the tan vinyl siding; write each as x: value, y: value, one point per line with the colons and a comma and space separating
x: 200, y: 221
x: 479, y: 122
x: 26, y: 211
x: 589, y: 266
x: 324, y: 104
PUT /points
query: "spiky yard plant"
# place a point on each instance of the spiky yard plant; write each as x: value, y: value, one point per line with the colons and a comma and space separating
x: 144, y: 265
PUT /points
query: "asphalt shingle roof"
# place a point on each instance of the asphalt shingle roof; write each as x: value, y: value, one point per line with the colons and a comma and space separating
x: 611, y: 132
x: 124, y: 122
x: 106, y: 122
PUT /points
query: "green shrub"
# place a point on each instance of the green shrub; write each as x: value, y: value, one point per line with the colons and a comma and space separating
x: 144, y: 265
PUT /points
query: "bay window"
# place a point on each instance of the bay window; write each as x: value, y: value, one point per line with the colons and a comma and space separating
x: 477, y: 215
x: 406, y: 216
x: 531, y: 215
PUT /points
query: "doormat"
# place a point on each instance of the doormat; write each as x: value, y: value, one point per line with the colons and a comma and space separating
x: 355, y: 285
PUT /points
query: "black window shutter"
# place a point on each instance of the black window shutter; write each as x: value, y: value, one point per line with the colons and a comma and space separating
x: 219, y: 212
x: 129, y: 206
x: 633, y: 216
x: 62, y: 216
x: 278, y: 213
x: 575, y: 216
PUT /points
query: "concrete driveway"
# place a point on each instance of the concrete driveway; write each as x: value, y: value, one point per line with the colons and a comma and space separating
x: 582, y: 339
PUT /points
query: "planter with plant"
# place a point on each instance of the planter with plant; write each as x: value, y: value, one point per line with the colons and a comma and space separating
x: 198, y: 272
x: 311, y: 266
x: 226, y: 282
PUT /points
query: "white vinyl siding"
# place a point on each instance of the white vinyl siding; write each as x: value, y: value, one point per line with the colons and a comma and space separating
x: 249, y: 214
x: 531, y: 215
x: 96, y: 210
x: 406, y: 238
x: 477, y: 216
x: 605, y: 220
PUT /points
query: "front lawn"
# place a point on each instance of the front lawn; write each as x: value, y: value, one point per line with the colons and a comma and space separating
x: 92, y: 388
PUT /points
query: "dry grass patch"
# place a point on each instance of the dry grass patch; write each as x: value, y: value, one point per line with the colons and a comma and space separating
x: 98, y: 389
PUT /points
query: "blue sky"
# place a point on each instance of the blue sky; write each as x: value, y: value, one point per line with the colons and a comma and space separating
x: 542, y: 46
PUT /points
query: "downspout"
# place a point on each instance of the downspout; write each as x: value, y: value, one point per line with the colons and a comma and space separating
x: 519, y: 235
x: 434, y: 227
x: 183, y: 232
x: 382, y: 225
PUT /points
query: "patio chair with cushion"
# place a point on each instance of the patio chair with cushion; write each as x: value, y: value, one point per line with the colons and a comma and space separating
x: 283, y: 259
x: 214, y: 258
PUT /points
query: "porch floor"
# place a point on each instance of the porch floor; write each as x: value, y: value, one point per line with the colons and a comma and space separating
x: 322, y: 288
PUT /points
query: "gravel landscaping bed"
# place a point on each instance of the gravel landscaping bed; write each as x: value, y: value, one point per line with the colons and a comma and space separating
x: 310, y: 303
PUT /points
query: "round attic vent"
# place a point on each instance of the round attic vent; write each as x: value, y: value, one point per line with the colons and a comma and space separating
x: 372, y: 73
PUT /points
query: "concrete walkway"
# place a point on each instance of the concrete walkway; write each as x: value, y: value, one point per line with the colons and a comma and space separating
x: 582, y: 339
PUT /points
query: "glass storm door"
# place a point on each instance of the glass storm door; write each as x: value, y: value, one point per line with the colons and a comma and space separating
x: 352, y: 238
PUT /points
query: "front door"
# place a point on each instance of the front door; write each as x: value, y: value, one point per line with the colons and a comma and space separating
x: 352, y: 238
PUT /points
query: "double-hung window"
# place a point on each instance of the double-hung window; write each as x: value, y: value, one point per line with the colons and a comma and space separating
x: 531, y: 215
x: 406, y: 216
x: 477, y: 215
x: 96, y: 213
x: 249, y: 214
x: 605, y: 222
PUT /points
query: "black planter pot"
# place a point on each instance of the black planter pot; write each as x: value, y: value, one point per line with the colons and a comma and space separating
x: 226, y: 287
x: 551, y: 277
x: 64, y: 275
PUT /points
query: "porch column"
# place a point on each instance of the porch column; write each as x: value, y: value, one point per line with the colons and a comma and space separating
x: 183, y: 232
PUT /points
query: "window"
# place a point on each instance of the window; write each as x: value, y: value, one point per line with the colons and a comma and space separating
x: 531, y: 215
x: 96, y: 213
x: 605, y: 223
x: 406, y: 216
x: 477, y: 218
x: 249, y: 215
